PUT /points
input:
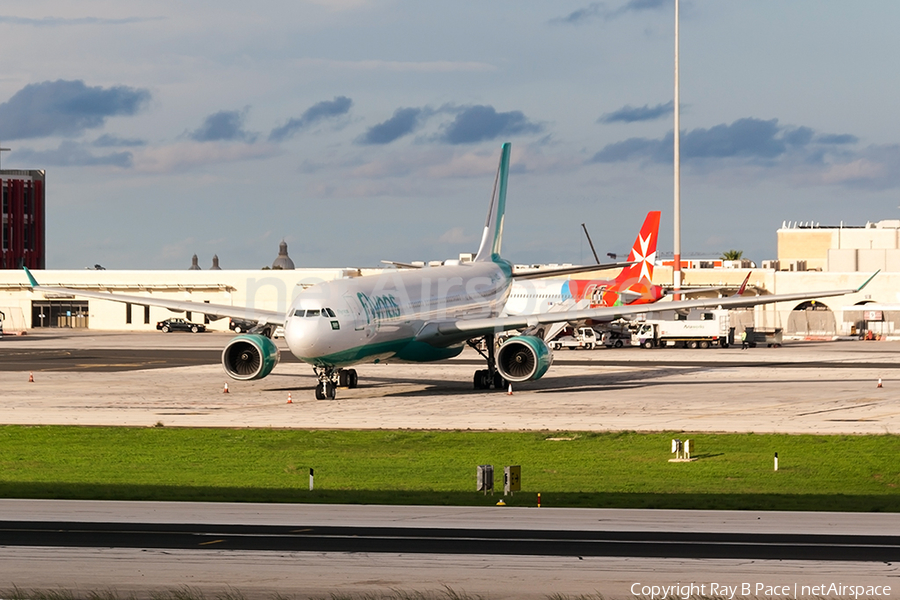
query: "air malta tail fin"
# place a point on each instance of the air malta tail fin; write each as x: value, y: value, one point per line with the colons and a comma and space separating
x: 493, y: 227
x: 643, y: 253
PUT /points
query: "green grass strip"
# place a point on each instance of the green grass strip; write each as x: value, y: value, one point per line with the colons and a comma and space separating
x: 624, y: 469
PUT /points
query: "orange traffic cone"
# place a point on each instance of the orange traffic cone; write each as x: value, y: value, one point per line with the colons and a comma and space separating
x: 289, y: 399
x: 31, y: 377
x: 509, y: 390
x: 225, y: 391
x: 879, y: 382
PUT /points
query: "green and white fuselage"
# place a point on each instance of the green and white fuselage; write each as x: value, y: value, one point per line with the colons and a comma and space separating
x: 386, y: 317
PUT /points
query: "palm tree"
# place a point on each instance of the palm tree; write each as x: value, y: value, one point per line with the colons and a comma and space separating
x: 732, y: 255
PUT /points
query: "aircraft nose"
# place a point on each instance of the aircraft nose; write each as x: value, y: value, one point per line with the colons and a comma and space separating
x: 301, y: 335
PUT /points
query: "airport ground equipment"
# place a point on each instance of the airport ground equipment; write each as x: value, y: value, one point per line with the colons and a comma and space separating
x: 712, y: 330
x: 771, y: 338
x: 616, y: 338
x: 583, y: 338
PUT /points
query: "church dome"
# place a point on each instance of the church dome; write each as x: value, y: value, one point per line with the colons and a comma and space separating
x: 283, y: 261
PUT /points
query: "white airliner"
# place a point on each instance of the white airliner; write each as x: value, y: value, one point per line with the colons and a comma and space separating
x: 417, y: 315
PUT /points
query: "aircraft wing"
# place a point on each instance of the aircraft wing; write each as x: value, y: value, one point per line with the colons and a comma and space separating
x: 557, y: 271
x: 451, y: 332
x: 213, y: 310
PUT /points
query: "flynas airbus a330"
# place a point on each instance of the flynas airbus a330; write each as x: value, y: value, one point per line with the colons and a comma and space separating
x: 416, y: 315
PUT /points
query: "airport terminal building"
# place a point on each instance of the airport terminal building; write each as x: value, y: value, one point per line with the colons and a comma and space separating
x: 810, y: 257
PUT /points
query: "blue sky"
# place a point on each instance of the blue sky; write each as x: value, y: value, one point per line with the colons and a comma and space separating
x: 361, y: 130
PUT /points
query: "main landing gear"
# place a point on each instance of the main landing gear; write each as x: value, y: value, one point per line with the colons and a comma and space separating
x: 487, y: 379
x: 330, y: 379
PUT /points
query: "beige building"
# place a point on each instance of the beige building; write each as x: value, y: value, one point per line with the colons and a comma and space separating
x: 810, y: 258
x: 810, y: 247
x: 266, y: 289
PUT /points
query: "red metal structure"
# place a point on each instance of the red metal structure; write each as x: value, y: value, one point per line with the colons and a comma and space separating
x: 22, y: 225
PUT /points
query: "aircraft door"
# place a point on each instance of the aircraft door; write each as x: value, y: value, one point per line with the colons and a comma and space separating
x: 361, y: 321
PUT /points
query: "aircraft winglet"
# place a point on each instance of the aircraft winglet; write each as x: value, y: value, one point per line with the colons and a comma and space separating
x: 866, y: 282
x: 32, y: 281
x: 743, y: 287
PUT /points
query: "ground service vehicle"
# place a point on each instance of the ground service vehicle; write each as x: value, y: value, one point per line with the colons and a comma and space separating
x: 711, y: 330
x: 584, y: 337
x: 2, y: 316
x: 179, y: 325
x: 615, y: 338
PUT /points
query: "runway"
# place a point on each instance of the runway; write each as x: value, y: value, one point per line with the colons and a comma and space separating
x: 459, y: 547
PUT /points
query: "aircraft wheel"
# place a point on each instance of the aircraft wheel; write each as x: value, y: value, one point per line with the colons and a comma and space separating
x: 320, y: 391
x: 353, y: 378
x: 344, y: 379
x: 499, y: 382
x: 330, y: 390
x: 482, y: 379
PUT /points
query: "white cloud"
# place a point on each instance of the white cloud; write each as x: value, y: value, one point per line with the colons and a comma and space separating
x: 183, y: 156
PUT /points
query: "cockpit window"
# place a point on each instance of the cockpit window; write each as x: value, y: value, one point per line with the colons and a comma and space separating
x: 329, y: 311
x: 313, y: 312
x: 299, y: 312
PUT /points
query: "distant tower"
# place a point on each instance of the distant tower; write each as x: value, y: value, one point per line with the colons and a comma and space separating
x: 194, y: 266
x: 283, y: 261
x: 215, y: 266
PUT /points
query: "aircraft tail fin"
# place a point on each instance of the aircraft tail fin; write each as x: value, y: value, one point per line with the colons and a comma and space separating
x: 492, y: 237
x: 643, y: 252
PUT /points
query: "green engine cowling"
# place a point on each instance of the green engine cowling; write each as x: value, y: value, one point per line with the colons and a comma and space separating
x: 523, y: 358
x: 248, y: 357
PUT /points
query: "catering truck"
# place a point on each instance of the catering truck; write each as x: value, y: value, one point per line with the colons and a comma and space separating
x: 711, y: 330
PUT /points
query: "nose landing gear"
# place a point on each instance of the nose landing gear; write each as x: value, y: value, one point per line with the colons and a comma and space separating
x: 330, y: 379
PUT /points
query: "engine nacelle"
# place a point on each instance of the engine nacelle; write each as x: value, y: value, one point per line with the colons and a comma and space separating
x: 248, y: 357
x: 523, y: 358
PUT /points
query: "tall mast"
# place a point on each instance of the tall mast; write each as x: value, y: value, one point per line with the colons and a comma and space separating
x: 676, y: 273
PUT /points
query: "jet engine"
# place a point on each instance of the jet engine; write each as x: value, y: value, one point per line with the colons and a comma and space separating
x: 523, y: 358
x: 248, y: 357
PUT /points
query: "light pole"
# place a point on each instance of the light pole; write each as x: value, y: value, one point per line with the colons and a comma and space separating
x: 676, y: 272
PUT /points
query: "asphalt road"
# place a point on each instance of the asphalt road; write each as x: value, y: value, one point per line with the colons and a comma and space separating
x: 883, y: 548
x: 301, y: 551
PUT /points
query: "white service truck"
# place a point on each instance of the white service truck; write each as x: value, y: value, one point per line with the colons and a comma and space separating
x: 711, y: 330
x: 583, y: 337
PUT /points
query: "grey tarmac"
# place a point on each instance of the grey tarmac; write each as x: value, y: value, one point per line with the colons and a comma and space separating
x: 811, y: 387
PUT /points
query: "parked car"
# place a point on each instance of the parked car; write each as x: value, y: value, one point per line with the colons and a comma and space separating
x: 179, y: 325
x: 240, y: 325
